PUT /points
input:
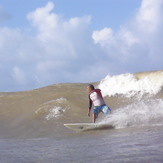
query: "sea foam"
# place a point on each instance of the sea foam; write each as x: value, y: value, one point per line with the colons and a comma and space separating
x: 53, y: 109
x: 143, y: 113
x: 132, y: 84
x: 145, y: 109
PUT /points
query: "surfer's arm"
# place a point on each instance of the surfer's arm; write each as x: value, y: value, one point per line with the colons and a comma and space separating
x: 90, y: 106
x: 89, y: 110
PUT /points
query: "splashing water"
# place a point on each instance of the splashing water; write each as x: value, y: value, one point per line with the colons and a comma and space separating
x: 143, y: 113
x: 53, y: 109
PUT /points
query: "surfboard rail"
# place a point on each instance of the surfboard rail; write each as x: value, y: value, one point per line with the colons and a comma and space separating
x: 87, y: 126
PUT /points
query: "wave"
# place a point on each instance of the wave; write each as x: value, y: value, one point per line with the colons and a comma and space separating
x: 135, y: 100
x: 132, y: 84
x: 141, y: 98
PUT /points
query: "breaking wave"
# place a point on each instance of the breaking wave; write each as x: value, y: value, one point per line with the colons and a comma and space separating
x: 135, y: 100
x: 132, y: 84
x: 143, y: 105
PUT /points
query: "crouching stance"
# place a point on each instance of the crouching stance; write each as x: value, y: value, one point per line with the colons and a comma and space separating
x: 95, y: 98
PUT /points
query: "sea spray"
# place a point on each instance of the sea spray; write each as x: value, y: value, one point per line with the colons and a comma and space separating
x: 143, y: 113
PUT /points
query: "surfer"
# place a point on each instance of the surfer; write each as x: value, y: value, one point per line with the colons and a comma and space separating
x: 96, y: 98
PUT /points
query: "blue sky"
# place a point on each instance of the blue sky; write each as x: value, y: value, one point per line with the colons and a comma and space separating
x: 117, y: 11
x: 57, y: 41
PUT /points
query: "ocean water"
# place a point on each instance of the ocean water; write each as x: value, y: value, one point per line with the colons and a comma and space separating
x: 32, y: 130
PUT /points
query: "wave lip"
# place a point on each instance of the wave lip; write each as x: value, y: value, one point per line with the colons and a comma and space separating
x: 130, y: 85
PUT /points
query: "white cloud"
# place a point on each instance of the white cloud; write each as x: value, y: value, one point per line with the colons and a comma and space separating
x: 46, y: 22
x: 149, y: 15
x: 19, y: 75
x: 103, y: 37
x: 135, y: 46
x: 47, y: 52
x: 128, y: 37
x: 54, y: 49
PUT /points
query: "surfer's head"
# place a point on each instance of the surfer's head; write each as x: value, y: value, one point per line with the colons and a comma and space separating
x: 90, y: 87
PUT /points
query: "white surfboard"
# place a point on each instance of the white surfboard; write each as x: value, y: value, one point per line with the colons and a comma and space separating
x: 87, y: 126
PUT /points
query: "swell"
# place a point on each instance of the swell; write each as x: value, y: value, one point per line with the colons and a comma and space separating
x: 42, y: 112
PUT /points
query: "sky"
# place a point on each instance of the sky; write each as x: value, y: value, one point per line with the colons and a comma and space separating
x: 74, y: 41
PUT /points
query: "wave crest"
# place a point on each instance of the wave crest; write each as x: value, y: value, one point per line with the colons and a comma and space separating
x: 130, y: 85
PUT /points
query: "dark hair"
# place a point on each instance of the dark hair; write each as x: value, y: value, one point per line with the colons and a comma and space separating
x: 91, y: 86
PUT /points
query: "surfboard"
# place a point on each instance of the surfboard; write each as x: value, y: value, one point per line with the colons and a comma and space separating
x: 87, y: 126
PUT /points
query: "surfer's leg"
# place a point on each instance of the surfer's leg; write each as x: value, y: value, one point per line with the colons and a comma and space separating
x: 95, y: 114
x: 94, y: 117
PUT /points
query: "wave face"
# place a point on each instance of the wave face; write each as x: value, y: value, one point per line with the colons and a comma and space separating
x: 135, y: 100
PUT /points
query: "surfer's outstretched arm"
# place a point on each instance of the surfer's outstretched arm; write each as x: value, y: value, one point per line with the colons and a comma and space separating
x: 90, y: 106
x: 89, y: 110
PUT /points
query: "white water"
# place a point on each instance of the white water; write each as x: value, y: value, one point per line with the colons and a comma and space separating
x: 143, y: 113
x: 144, y: 110
x: 130, y: 85
x: 54, y: 108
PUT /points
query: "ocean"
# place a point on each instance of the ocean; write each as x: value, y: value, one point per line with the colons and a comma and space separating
x: 32, y: 122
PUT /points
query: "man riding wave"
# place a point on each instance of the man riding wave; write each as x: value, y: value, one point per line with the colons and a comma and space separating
x: 96, y: 98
